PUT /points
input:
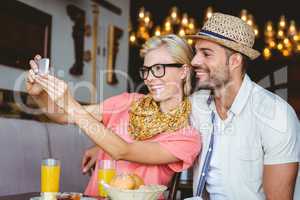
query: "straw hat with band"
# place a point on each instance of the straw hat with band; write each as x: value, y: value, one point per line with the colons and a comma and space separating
x: 229, y: 31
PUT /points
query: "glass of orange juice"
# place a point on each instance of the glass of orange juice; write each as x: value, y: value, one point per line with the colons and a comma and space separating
x: 50, y: 173
x: 106, y: 171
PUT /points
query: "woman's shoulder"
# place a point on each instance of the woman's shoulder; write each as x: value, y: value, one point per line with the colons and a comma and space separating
x: 124, y: 97
x: 120, y: 102
x: 134, y: 96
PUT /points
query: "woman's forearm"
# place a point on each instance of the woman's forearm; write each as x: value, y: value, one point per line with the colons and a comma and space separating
x: 116, y: 147
x: 50, y: 109
x: 111, y: 143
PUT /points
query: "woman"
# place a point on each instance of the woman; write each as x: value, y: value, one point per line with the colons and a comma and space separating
x: 147, y: 135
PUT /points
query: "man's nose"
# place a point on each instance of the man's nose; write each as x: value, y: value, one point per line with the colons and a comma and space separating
x: 197, y: 60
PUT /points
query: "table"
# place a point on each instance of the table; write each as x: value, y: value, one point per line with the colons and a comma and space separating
x: 27, y: 196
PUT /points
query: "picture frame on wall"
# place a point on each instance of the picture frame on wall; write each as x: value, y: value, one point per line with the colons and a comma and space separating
x: 25, y: 32
x: 114, y: 35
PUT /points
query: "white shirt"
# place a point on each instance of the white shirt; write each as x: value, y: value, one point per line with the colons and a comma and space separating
x: 264, y: 129
x: 215, y: 183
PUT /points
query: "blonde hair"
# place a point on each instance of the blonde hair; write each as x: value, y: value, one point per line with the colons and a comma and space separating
x: 179, y: 50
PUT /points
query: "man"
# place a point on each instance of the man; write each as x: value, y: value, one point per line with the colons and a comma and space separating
x: 250, y: 136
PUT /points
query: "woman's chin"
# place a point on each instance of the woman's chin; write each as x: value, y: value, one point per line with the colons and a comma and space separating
x: 158, y: 97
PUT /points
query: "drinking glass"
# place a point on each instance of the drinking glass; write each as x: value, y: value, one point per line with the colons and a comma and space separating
x: 50, y: 174
x: 106, y: 172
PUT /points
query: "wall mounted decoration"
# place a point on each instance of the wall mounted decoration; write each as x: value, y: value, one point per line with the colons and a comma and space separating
x: 95, y: 10
x: 87, y: 30
x: 87, y: 56
x: 114, y: 35
x: 109, y: 6
x: 78, y: 16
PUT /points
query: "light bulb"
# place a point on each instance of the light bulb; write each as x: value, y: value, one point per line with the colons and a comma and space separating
x: 280, y: 46
x: 147, y: 17
x: 190, y: 41
x: 286, y: 41
x: 286, y: 52
x: 174, y: 13
x: 185, y: 20
x: 181, y: 32
x: 192, y: 24
x: 209, y: 12
x: 272, y: 44
x: 298, y: 48
x: 282, y: 22
x: 244, y: 14
x: 256, y: 32
x: 250, y: 20
x: 142, y: 13
x: 267, y: 53
x: 292, y: 28
x: 157, y: 31
x: 269, y: 26
x: 280, y: 34
x: 132, y: 38
x: 168, y: 25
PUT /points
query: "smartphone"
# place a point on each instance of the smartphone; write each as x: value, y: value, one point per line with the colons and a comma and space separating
x: 43, y: 66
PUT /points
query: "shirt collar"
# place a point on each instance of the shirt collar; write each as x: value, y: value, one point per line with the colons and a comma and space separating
x: 239, y: 101
x: 242, y: 96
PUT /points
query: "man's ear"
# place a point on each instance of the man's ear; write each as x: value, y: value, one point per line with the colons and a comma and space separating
x: 184, y: 71
x: 235, y: 61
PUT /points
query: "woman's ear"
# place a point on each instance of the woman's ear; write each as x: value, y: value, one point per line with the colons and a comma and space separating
x: 184, y: 71
x: 235, y: 61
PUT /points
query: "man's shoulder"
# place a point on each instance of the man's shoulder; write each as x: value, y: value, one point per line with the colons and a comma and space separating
x: 263, y: 99
x: 200, y: 115
x: 270, y: 108
x: 199, y: 101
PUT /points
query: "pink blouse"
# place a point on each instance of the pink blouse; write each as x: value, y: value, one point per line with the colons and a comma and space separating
x: 185, y: 144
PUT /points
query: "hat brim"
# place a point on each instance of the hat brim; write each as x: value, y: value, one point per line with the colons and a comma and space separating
x: 251, y: 53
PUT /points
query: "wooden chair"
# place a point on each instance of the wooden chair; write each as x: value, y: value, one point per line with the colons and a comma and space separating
x: 174, y: 186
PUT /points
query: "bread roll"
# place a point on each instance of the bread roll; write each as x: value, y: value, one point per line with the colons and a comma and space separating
x: 138, y: 181
x: 127, y: 181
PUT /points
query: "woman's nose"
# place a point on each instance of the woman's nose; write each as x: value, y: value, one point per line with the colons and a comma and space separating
x: 150, y: 76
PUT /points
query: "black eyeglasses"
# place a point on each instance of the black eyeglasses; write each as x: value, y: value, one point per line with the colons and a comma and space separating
x: 157, y: 70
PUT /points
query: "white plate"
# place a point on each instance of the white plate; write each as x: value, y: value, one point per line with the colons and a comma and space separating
x: 82, y: 198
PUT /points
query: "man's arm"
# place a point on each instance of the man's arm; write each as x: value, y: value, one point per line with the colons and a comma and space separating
x: 280, y: 139
x: 279, y: 181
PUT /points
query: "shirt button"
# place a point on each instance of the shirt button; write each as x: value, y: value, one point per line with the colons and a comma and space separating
x: 203, y: 174
x: 209, y: 149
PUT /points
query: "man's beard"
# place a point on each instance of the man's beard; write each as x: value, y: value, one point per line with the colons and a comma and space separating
x: 213, y: 82
x: 204, y: 85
